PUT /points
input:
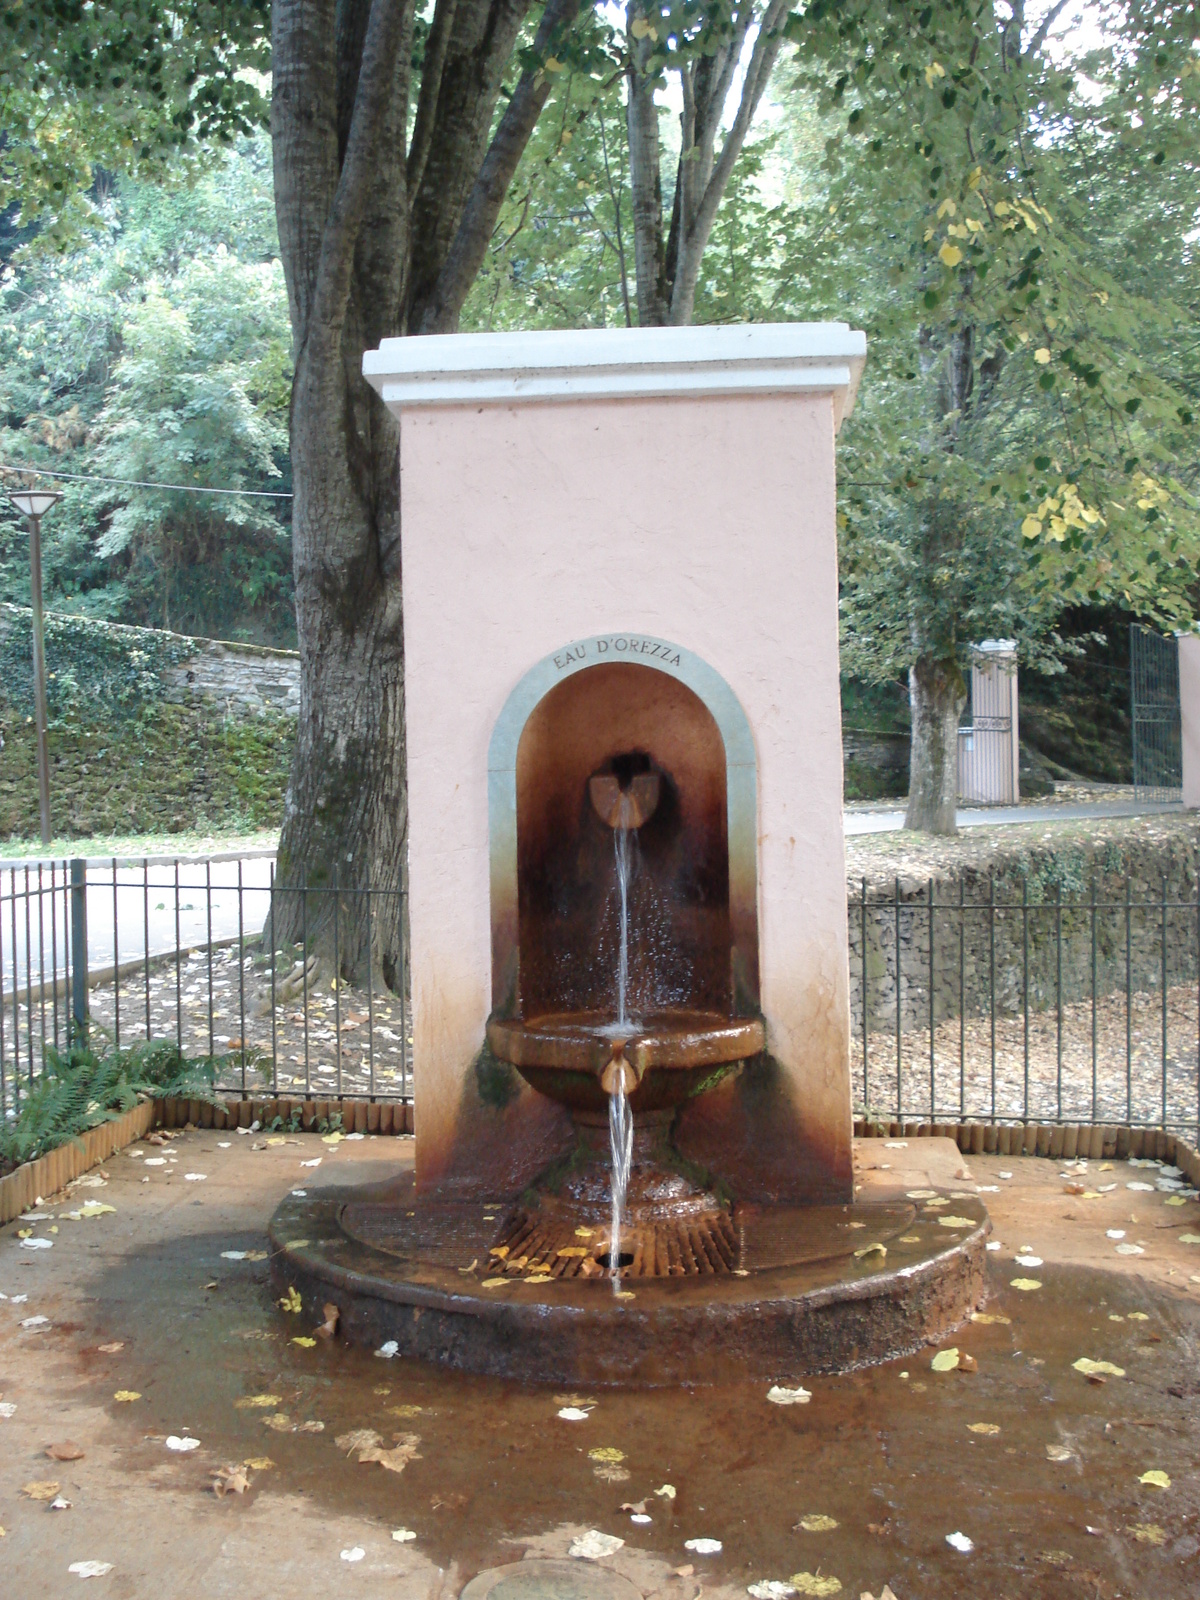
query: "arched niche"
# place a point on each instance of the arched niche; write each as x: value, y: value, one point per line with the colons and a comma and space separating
x: 597, y: 702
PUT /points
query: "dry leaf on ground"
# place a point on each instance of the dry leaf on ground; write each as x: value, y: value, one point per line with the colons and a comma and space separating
x: 68, y: 1450
x: 945, y: 1361
x: 358, y: 1439
x: 126, y: 1395
x: 1148, y: 1533
x: 112, y: 1348
x: 606, y: 1452
x: 398, y: 1456
x: 40, y: 1489
x: 1026, y: 1284
x: 230, y: 1480
x: 1156, y: 1478
x: 779, y: 1395
x: 329, y: 1327
x: 1058, y: 1452
x: 594, y: 1545
x: 1092, y: 1369
x: 988, y: 1428
x: 817, y: 1523
x: 253, y: 1402
x: 291, y: 1301
x: 815, y: 1583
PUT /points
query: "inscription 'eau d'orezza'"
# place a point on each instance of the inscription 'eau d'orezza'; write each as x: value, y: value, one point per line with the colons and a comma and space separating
x: 618, y: 644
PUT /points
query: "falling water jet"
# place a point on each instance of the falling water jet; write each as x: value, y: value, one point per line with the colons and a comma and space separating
x: 620, y: 1118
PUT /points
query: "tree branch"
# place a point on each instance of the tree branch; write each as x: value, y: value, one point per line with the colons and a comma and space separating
x: 371, y: 104
x: 431, y: 83
x: 762, y: 59
x: 440, y: 313
x: 1047, y: 22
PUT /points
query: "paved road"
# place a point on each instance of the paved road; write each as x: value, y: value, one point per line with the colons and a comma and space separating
x: 993, y: 816
x: 145, y: 904
x: 145, y: 898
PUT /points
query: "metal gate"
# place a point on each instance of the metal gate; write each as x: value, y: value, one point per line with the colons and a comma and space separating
x: 1157, y: 740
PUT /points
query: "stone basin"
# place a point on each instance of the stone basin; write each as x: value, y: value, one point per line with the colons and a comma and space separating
x: 672, y: 1055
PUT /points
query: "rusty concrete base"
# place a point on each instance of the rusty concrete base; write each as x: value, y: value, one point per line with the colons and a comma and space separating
x: 812, y: 1291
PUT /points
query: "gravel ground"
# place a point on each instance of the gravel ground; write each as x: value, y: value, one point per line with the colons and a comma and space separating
x: 963, y: 1081
x: 374, y: 1059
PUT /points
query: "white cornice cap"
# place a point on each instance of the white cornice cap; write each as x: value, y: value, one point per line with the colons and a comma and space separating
x: 457, y: 369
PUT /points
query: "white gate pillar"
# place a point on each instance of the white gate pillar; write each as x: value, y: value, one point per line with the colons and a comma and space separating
x: 1189, y: 716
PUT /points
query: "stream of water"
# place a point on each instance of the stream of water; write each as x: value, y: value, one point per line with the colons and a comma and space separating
x: 620, y: 1118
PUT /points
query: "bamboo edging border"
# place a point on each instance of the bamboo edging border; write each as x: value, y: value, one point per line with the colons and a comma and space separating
x: 1088, y: 1141
x: 21, y: 1189
x: 1057, y: 1141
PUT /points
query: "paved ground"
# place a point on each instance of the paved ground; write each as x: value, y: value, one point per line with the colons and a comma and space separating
x: 888, y: 819
x: 1021, y: 1454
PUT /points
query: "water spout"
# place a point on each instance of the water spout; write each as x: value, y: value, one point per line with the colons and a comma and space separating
x: 620, y: 1138
x: 621, y: 849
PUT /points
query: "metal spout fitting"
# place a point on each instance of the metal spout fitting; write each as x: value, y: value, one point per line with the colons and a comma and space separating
x: 624, y: 808
x: 619, y: 1071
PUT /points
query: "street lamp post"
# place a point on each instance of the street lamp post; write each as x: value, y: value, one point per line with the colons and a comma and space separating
x: 34, y: 504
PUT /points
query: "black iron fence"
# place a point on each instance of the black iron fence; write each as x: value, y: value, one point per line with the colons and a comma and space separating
x: 987, y: 1004
x: 1040, y: 1007
x: 174, y: 950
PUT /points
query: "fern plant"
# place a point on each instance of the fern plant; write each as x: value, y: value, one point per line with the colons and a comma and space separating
x: 82, y: 1087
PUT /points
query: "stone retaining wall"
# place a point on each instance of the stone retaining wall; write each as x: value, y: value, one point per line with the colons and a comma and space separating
x: 237, y: 679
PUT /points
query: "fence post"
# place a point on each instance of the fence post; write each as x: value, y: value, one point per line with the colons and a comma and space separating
x: 79, y: 949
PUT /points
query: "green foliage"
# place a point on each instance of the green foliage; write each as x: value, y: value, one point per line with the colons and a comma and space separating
x: 82, y: 1087
x: 86, y: 88
x: 1025, y: 437
x: 166, y: 770
x: 158, y: 351
x: 94, y: 673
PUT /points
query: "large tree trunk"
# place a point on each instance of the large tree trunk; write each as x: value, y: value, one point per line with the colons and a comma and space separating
x: 937, y: 694
x: 376, y: 241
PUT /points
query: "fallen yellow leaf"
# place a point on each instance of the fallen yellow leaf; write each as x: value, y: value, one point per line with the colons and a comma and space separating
x: 814, y: 1583
x: 945, y: 1360
x: 291, y: 1301
x: 257, y: 1402
x: 573, y: 1250
x: 875, y: 1249
x: 41, y: 1489
x: 127, y: 1394
x: 304, y: 1341
x: 956, y: 1222
x: 1156, y: 1478
x: 1097, y: 1368
x: 606, y: 1452
x: 1148, y: 1533
x: 493, y: 1283
x: 950, y: 255
x: 1026, y: 1283
x: 258, y: 1463
x: 990, y: 1317
x: 983, y: 1427
x: 818, y: 1524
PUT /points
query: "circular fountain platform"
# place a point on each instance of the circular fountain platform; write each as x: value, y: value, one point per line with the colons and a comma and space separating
x: 804, y: 1289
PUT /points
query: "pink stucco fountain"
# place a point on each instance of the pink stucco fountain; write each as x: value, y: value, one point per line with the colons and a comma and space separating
x: 627, y: 878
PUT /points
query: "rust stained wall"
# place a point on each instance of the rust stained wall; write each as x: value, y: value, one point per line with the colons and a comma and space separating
x: 679, y: 916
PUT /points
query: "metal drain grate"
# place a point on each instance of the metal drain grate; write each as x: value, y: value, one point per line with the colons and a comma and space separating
x: 533, y: 1245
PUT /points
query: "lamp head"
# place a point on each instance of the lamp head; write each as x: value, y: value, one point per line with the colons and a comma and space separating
x: 33, y: 502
